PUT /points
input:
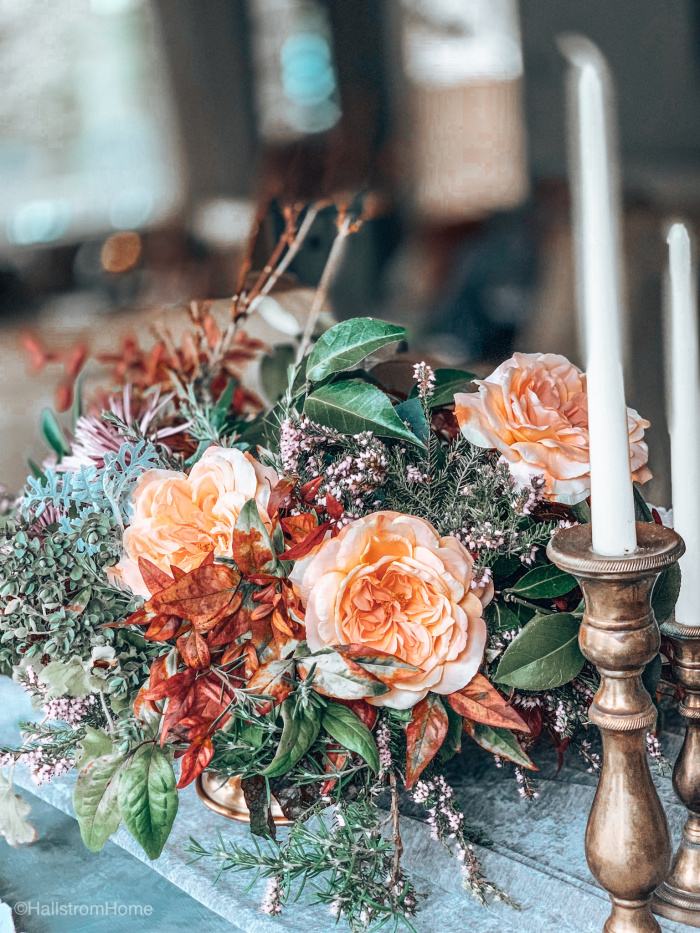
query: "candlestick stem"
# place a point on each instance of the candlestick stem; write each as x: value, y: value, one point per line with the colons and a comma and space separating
x: 678, y: 898
x: 628, y: 844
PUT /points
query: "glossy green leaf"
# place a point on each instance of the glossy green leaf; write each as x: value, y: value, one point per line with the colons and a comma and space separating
x: 582, y: 512
x: 96, y: 802
x: 345, y: 727
x: 642, y: 513
x: 453, y: 740
x: 347, y: 344
x: 411, y: 413
x: 353, y: 406
x: 544, y: 582
x: 447, y: 382
x: 666, y: 591
x: 148, y: 798
x: 298, y: 735
x: 651, y: 675
x: 499, y: 618
x: 544, y: 655
x: 221, y: 409
x: 53, y: 433
x: 499, y: 741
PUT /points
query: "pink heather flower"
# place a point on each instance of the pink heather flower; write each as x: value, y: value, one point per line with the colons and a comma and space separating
x: 425, y: 377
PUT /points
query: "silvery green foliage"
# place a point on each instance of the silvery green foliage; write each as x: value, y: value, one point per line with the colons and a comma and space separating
x: 107, y: 489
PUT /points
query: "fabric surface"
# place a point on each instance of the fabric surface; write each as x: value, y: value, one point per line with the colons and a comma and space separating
x: 537, y: 856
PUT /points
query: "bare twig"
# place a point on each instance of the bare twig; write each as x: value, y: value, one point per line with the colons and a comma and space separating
x: 321, y: 296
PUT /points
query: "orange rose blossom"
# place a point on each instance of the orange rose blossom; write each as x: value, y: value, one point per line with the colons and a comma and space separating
x: 534, y: 410
x: 179, y: 518
x: 390, y: 582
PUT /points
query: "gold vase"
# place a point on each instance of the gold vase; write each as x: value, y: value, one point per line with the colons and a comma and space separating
x: 628, y: 843
x: 225, y: 796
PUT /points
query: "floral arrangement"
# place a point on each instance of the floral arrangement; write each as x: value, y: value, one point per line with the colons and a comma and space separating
x: 328, y: 599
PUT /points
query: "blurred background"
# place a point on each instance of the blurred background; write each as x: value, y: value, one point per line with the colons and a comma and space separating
x: 142, y: 141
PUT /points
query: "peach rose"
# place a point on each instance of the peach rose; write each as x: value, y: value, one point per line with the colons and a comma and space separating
x: 178, y: 518
x: 534, y: 410
x: 390, y: 582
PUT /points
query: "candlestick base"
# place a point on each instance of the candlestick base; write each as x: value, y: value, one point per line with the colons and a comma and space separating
x: 628, y: 844
x: 678, y: 898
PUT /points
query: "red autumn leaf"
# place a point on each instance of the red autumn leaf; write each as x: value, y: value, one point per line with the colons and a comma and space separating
x: 249, y: 551
x: 192, y: 728
x: 481, y: 702
x: 281, y: 496
x: 309, y: 490
x: 231, y: 654
x: 308, y: 544
x: 203, y: 595
x: 164, y: 627
x: 194, y: 650
x: 177, y: 708
x: 333, y: 507
x: 533, y: 718
x: 177, y: 573
x: 195, y: 760
x: 425, y: 733
x: 297, y: 527
x: 229, y: 628
x: 261, y: 612
x: 154, y: 578
x: 252, y: 663
x: 274, y: 680
x: 334, y: 760
x: 177, y: 684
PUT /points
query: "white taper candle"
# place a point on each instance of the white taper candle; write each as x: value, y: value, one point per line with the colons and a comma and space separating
x: 683, y: 391
x: 596, y: 197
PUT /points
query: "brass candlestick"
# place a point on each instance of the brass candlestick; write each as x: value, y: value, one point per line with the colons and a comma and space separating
x: 679, y: 897
x: 628, y: 844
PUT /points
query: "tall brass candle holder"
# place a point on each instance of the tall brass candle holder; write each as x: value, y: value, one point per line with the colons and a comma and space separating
x: 678, y: 898
x: 628, y: 844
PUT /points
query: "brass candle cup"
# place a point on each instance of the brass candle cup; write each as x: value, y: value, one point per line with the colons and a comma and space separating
x: 678, y: 898
x: 225, y: 796
x: 628, y: 844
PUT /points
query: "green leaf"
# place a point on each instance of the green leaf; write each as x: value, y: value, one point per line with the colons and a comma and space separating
x: 666, y: 591
x: 641, y: 509
x: 221, y: 409
x: 298, y: 735
x: 499, y: 741
x: 453, y: 740
x: 411, y: 412
x: 447, y: 382
x: 504, y: 568
x: 274, y: 376
x: 353, y: 406
x: 53, y: 433
x: 499, y: 618
x: 66, y: 678
x: 348, y: 730
x: 651, y: 675
x: 544, y: 655
x: 544, y: 582
x: 338, y: 678
x: 347, y: 344
x: 95, y: 800
x: 582, y: 512
x: 96, y: 744
x: 148, y: 798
